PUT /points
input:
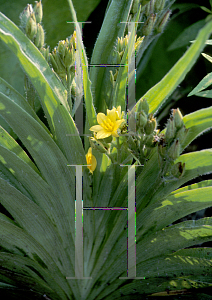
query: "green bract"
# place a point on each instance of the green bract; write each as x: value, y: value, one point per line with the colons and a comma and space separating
x: 38, y: 256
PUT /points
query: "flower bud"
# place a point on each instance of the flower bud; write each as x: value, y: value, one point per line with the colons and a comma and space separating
x: 150, y: 126
x: 170, y: 130
x: 61, y: 48
x: 178, y: 118
x: 39, y: 38
x: 178, y: 170
x: 134, y: 7
x: 149, y: 140
x: 53, y: 62
x: 149, y: 24
x: 45, y: 53
x: 38, y: 10
x: 97, y: 145
x: 159, y: 5
x: 163, y: 21
x: 31, y: 27
x: 174, y: 150
x: 181, y: 133
x: 111, y: 77
x: 145, y: 106
x: 73, y: 40
x: 69, y: 57
x: 142, y: 119
x: 25, y: 15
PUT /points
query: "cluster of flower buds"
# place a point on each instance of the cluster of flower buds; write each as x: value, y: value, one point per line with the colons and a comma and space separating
x: 156, y: 16
x: 31, y: 18
x: 174, y: 136
x: 142, y: 131
x: 62, y: 57
x: 119, y: 52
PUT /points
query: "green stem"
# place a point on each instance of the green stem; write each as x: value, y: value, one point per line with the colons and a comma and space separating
x: 118, y: 150
x: 69, y: 89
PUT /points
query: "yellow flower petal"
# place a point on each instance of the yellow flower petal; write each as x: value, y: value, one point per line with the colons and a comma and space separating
x: 96, y: 128
x: 91, y: 160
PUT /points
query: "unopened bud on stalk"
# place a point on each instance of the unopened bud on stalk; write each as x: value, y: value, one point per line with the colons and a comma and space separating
x: 45, y: 52
x: 178, y: 170
x: 69, y: 57
x: 143, y: 105
x: 39, y: 38
x: 24, y: 16
x: 159, y: 5
x: 144, y: 2
x: 150, y: 126
x: 141, y: 119
x: 134, y: 7
x: 178, y: 118
x: 163, y: 21
x: 61, y: 48
x: 31, y: 27
x: 97, y: 145
x: 73, y: 40
x: 149, y: 140
x: 181, y: 134
x: 174, y: 150
x: 148, y: 25
x: 38, y: 10
x: 53, y: 62
x: 170, y: 130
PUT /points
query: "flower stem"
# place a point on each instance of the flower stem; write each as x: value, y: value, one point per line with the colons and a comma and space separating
x: 69, y: 89
x: 118, y: 150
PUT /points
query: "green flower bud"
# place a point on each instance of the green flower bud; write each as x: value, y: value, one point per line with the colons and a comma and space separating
x: 149, y: 140
x: 61, y: 48
x: 178, y: 118
x: 150, y: 126
x: 97, y: 145
x: 73, y: 40
x: 145, y: 106
x: 159, y: 5
x: 181, y: 133
x: 38, y: 10
x: 174, y: 150
x: 45, y: 52
x: 25, y: 15
x: 142, y: 119
x: 163, y: 21
x: 178, y: 170
x: 149, y: 24
x: 119, y: 57
x: 162, y: 150
x: 39, y: 39
x: 144, y: 2
x: 111, y: 77
x: 134, y: 7
x: 69, y: 57
x: 53, y: 62
x: 31, y: 27
x: 170, y: 130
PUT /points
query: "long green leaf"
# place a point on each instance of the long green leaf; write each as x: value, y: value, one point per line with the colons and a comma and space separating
x: 31, y: 183
x: 30, y: 274
x: 173, y: 238
x: 23, y: 241
x: 158, y: 94
x: 8, y: 142
x: 90, y: 111
x: 52, y: 93
x: 203, y: 84
x: 49, y: 159
x: 197, y: 122
x: 179, y: 204
x: 10, y: 92
x: 118, y: 11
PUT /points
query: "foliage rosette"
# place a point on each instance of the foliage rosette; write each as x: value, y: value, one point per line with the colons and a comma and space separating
x: 41, y: 166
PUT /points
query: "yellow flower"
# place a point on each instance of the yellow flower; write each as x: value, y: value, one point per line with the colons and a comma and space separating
x: 109, y: 124
x: 91, y: 160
